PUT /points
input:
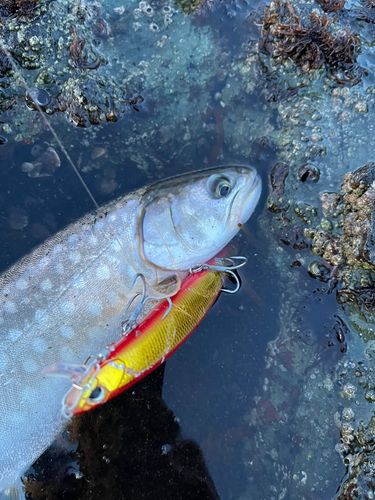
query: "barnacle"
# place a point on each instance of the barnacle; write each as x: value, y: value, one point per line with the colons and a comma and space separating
x: 154, y: 28
x: 311, y: 46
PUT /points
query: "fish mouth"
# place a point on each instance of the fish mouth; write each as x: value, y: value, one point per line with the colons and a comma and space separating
x: 245, y: 200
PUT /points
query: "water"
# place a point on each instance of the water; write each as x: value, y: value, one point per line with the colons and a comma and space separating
x: 266, y: 399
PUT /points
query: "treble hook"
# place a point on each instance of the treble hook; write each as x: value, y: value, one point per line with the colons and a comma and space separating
x: 67, y: 410
x: 130, y: 323
x: 236, y: 279
x: 232, y: 265
x: 224, y: 268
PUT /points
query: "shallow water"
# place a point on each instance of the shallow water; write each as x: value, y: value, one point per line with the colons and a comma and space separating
x: 253, y: 404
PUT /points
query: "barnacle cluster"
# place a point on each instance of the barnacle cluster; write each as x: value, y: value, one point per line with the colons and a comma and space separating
x: 144, y: 9
x: 346, y: 244
x: 311, y: 44
x: 66, y: 47
x: 358, y: 454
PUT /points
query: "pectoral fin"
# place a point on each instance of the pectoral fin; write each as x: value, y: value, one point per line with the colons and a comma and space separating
x: 72, y: 372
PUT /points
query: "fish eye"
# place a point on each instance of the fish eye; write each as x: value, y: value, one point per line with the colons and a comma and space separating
x: 218, y: 186
x: 97, y: 395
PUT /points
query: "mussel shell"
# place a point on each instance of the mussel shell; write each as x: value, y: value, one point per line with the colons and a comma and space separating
x: 308, y: 172
x: 37, y: 97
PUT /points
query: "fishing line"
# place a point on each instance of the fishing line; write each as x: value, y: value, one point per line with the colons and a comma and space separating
x: 49, y: 126
x: 17, y: 71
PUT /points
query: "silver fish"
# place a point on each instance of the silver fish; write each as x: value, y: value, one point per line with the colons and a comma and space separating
x: 66, y: 300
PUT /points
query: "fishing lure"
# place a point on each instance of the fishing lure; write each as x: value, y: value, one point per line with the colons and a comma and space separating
x: 148, y: 345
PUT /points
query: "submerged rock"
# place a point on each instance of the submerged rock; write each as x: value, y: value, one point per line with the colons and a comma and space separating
x: 317, y: 389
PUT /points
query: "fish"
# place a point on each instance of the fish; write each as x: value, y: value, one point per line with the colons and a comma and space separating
x: 65, y: 300
x: 146, y: 347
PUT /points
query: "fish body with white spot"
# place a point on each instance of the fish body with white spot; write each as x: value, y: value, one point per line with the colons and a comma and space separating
x: 65, y: 301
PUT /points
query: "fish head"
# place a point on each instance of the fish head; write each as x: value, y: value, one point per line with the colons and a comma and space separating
x: 188, y: 219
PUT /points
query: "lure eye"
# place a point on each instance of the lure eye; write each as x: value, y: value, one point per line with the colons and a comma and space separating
x: 218, y: 186
x: 97, y: 395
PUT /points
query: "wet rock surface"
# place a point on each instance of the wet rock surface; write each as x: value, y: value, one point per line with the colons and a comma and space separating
x: 56, y: 45
x: 314, y: 402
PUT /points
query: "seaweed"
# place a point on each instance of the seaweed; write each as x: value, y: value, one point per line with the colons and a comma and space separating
x: 10, y: 9
x: 312, y: 46
x: 363, y: 297
x: 365, y: 12
x: 76, y: 49
x: 330, y: 6
x: 187, y: 6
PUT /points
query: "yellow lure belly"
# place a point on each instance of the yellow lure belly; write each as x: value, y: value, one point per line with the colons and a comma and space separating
x: 147, y: 346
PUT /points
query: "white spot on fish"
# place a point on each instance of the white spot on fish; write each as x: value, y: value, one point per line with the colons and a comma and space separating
x: 67, y: 308
x: 95, y: 332
x: 40, y: 345
x: 111, y: 218
x: 1, y: 321
x: 3, y: 361
x: 75, y: 257
x: 57, y: 249
x: 112, y: 298
x: 103, y: 273
x: 78, y: 282
x: 67, y: 355
x: 112, y: 259
x: 99, y: 225
x: 41, y: 316
x: 43, y: 262
x: 14, y: 334
x: 59, y: 268
x: 95, y: 308
x: 92, y: 240
x: 10, y: 307
x: 27, y: 396
x: 29, y: 365
x: 18, y: 418
x: 46, y: 285
x: 72, y: 240
x: 115, y: 245
x: 67, y: 332
x: 22, y: 284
